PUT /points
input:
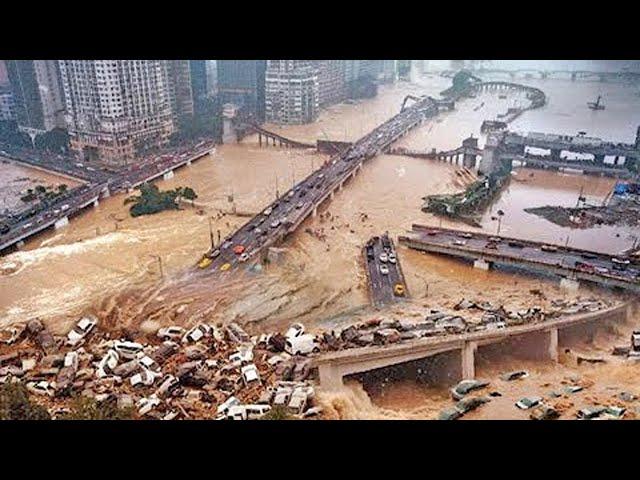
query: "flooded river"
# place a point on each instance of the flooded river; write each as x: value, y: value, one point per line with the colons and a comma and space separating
x: 107, y: 262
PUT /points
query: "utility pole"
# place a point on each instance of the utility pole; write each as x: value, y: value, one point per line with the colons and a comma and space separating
x: 277, y: 193
x: 211, y: 235
x: 580, y: 197
x: 218, y: 236
x: 160, y: 265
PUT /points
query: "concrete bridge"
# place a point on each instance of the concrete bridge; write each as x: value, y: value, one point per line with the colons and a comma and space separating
x: 622, y: 153
x: 571, y: 264
x: 48, y: 218
x: 466, y: 155
x: 456, y: 353
x: 90, y: 194
x: 620, y: 76
x: 276, y: 138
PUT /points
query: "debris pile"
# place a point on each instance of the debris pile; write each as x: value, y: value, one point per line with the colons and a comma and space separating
x: 204, y: 372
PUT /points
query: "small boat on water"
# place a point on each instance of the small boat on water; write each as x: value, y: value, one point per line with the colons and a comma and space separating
x: 596, y: 105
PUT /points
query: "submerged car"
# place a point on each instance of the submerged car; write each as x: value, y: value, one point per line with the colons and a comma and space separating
x: 465, y: 386
x: 81, y: 330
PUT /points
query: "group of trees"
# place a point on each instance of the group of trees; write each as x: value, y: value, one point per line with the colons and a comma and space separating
x: 16, y: 404
x: 206, y: 122
x: 54, y: 141
x: 44, y: 193
x: 151, y: 200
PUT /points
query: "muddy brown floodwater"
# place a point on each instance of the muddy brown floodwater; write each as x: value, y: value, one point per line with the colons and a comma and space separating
x: 107, y: 262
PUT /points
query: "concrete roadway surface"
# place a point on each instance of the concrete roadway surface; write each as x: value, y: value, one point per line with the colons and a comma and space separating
x: 381, y: 285
x: 279, y: 218
x: 553, y: 255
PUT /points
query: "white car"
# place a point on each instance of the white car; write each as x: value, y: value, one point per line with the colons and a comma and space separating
x: 144, y: 377
x: 244, y: 257
x: 250, y: 374
x: 224, y: 407
x: 384, y: 270
x: 145, y: 405
x: 295, y: 330
x: 127, y: 350
x: 150, y: 364
x: 383, y: 257
x: 108, y: 363
x: 246, y: 412
x: 268, y: 211
x: 71, y: 360
x: 275, y: 224
x: 81, y: 330
x: 40, y: 388
x: 197, y: 333
x: 241, y: 356
x: 303, y: 345
x: 392, y: 258
x: 171, y: 333
x: 459, y: 243
x: 168, y: 383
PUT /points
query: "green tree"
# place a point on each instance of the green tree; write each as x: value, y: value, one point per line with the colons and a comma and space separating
x: 84, y: 408
x: 63, y: 188
x: 15, y: 404
x: 277, y: 413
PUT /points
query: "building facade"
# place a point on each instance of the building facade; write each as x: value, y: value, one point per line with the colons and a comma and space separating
x: 242, y: 83
x: 117, y: 109
x: 292, y: 91
x: 37, y: 94
x: 180, y: 92
x: 7, y: 110
x: 199, y: 85
x: 331, y: 81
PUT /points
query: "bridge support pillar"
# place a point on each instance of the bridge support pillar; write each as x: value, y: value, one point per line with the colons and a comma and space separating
x: 469, y: 161
x: 482, y: 264
x: 315, y: 212
x: 569, y: 284
x: 168, y: 175
x: 599, y: 159
x: 189, y: 162
x: 555, y: 153
x: 96, y: 204
x: 552, y: 345
x: 468, y: 355
x: 331, y: 194
x: 20, y: 244
x: 63, y: 222
x: 330, y: 377
x: 106, y: 193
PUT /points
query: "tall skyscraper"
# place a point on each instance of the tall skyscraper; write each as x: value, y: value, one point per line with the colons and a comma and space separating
x: 116, y: 109
x: 242, y: 83
x: 199, y: 84
x: 331, y: 81
x: 7, y: 110
x: 37, y: 94
x: 292, y: 92
x: 180, y: 93
x: 4, y: 78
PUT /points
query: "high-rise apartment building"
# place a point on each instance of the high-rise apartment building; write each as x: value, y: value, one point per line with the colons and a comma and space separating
x: 180, y: 93
x: 7, y: 110
x: 4, y: 78
x: 292, y: 91
x: 199, y: 84
x: 242, y: 83
x: 331, y: 81
x: 37, y: 94
x: 116, y: 109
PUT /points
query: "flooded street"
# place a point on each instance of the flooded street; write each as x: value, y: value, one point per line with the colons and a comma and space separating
x: 107, y: 262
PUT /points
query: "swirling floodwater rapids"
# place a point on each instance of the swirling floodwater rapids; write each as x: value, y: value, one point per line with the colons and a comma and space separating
x: 106, y: 262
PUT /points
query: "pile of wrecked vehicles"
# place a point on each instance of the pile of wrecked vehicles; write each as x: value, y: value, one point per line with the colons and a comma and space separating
x: 203, y: 372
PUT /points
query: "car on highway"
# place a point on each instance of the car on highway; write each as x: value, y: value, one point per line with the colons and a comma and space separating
x: 515, y: 244
x: 267, y: 212
x: 392, y: 257
x: 225, y: 267
x: 227, y: 244
x: 549, y: 248
x: 465, y: 235
x: 459, y: 243
x: 299, y: 205
x: 238, y: 249
x: 383, y: 257
x: 275, y: 224
x: 623, y: 262
x: 244, y: 257
x: 491, y: 245
x: 384, y: 270
x: 215, y: 253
